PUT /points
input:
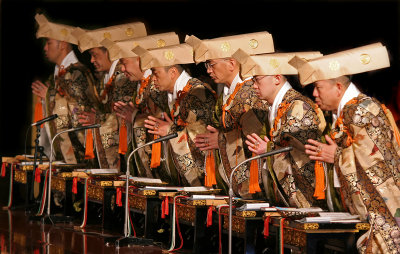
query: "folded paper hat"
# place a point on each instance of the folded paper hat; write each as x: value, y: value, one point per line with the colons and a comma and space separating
x: 123, y: 49
x: 270, y: 64
x: 222, y: 47
x: 88, y: 39
x: 162, y: 57
x: 55, y: 31
x: 348, y: 62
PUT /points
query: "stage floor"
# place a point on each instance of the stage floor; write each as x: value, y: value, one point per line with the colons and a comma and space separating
x: 18, y: 234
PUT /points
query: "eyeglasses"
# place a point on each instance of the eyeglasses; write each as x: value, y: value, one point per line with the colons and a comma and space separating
x: 257, y: 79
x: 211, y: 65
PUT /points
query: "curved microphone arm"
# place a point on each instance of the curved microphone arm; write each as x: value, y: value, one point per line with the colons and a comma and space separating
x: 51, y: 156
x: 282, y: 150
x: 127, y: 175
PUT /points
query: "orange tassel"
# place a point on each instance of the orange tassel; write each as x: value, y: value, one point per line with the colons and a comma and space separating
x: 119, y: 197
x: 210, y: 170
x: 163, y: 209
x: 3, y: 169
x: 89, y: 145
x: 38, y: 112
x: 209, y: 216
x: 266, y: 227
x: 319, y: 192
x: 37, y: 175
x: 75, y: 185
x: 166, y: 206
x: 253, y: 186
x: 123, y: 138
x: 155, y: 153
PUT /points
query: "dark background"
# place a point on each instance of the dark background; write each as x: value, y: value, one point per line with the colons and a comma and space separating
x: 326, y: 26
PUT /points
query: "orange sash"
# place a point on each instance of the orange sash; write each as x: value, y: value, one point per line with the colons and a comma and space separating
x: 228, y: 102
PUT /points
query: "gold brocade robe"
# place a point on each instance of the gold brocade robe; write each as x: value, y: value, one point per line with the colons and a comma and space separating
x: 191, y: 118
x: 68, y: 95
x: 107, y: 136
x: 300, y: 121
x: 368, y: 165
x: 149, y: 102
x: 246, y: 114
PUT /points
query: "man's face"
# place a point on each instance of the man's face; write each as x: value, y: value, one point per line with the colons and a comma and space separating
x: 326, y: 95
x: 163, y: 79
x: 52, y: 50
x: 218, y: 70
x: 130, y: 67
x: 99, y: 59
x: 264, y: 86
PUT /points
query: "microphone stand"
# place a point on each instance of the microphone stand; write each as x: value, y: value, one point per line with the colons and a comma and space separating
x: 47, y: 217
x: 286, y: 149
x: 38, y: 150
x: 127, y: 239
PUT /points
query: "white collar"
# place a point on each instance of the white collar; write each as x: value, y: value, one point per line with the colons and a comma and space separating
x: 273, y: 110
x: 350, y: 93
x: 110, y: 72
x: 180, y: 83
x: 69, y: 59
x: 146, y: 74
x: 229, y: 90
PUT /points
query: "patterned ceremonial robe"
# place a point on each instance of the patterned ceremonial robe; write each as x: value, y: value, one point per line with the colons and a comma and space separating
x: 115, y: 87
x: 148, y: 101
x: 191, y: 113
x: 367, y: 162
x: 68, y: 95
x: 296, y: 120
x: 244, y: 114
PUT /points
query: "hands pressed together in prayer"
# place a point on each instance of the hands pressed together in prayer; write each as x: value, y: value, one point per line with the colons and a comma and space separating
x: 316, y: 150
x: 87, y: 118
x: 39, y: 89
x: 207, y: 141
x: 124, y: 110
x: 320, y: 151
x: 158, y: 126
x: 256, y: 144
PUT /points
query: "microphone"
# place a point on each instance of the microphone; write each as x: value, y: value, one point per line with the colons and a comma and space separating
x: 52, y: 117
x: 93, y: 126
x: 167, y: 137
x: 282, y: 150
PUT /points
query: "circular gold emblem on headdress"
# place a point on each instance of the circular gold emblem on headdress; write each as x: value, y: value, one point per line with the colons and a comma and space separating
x: 334, y: 65
x: 169, y: 55
x: 135, y: 44
x: 253, y: 43
x: 365, y: 58
x: 129, y: 31
x: 274, y: 63
x: 64, y: 32
x: 160, y: 43
x: 225, y: 46
x: 107, y: 35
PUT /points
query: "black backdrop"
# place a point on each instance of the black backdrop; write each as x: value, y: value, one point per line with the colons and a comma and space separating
x: 327, y: 26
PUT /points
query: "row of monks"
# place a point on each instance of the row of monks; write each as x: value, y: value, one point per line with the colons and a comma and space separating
x: 142, y: 90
